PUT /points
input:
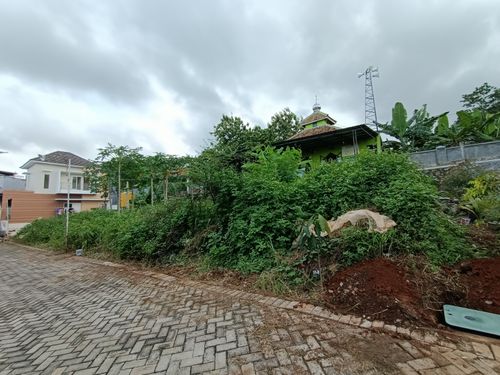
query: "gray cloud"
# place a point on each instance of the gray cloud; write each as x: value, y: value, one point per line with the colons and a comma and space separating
x: 40, y: 48
x: 274, y: 52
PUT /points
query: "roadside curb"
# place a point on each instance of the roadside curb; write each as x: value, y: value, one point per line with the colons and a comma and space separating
x: 429, y: 336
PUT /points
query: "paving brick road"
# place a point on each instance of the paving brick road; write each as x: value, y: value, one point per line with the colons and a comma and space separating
x: 61, y: 314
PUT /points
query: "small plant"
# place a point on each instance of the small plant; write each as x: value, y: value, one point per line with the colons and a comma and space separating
x: 484, y: 185
x: 456, y: 180
x: 482, y: 198
x: 273, y: 281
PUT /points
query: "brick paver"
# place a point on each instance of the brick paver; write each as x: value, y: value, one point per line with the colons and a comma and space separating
x: 61, y: 314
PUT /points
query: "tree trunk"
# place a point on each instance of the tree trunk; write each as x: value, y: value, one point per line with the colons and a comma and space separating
x: 152, y: 192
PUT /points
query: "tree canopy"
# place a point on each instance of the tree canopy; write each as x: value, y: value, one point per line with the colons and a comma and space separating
x: 484, y: 98
x: 236, y: 141
x: 113, y: 165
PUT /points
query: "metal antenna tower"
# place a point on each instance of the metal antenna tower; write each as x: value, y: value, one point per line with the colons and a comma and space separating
x: 370, y: 110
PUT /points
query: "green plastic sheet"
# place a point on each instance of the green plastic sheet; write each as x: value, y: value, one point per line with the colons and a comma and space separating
x: 474, y: 320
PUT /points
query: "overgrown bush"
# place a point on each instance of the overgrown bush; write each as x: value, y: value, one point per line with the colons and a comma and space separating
x: 392, y: 185
x: 148, y: 233
x: 274, y: 199
x: 44, y: 232
x: 482, y: 197
x: 263, y: 215
x: 250, y: 219
x: 485, y: 184
x: 162, y: 231
x: 455, y: 180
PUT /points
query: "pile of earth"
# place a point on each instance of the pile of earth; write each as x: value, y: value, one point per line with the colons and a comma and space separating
x: 405, y: 291
x: 481, y: 277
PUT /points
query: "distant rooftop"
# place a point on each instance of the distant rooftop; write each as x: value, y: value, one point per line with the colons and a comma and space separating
x: 5, y: 173
x: 310, y: 132
x: 328, y: 134
x: 58, y: 157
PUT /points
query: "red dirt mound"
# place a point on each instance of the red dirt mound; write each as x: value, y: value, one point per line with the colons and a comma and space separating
x: 404, y: 292
x: 481, y: 277
x: 379, y: 289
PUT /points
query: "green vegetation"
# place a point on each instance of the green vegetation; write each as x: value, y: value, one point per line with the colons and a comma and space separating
x: 257, y: 214
x: 456, y: 180
x: 414, y: 133
x: 479, y: 122
x: 484, y: 98
x: 251, y: 207
x: 482, y: 197
x: 476, y: 190
x: 117, y: 168
x: 152, y: 234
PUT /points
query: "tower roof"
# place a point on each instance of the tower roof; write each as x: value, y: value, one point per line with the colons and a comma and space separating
x: 316, y: 106
x: 317, y: 115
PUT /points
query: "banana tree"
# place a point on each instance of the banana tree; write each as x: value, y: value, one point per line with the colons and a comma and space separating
x: 471, y: 126
x: 413, y: 133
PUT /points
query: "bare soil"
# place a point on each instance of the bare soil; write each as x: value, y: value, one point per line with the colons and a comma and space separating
x: 378, y: 289
x: 482, y: 279
x: 406, y: 291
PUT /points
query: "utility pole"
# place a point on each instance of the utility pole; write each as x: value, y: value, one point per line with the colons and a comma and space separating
x: 119, y: 185
x: 127, y: 205
x: 67, y: 204
x: 109, y: 195
x: 370, y: 109
x: 152, y: 192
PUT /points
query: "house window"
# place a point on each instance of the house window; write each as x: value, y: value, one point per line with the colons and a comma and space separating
x: 76, y: 183
x: 46, y: 181
x: 86, y: 184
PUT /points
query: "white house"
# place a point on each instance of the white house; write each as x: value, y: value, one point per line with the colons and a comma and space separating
x: 46, y: 192
x: 48, y: 174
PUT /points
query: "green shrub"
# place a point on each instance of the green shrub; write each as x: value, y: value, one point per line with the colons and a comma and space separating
x: 273, y: 199
x: 162, y: 231
x: 392, y: 185
x: 484, y: 185
x: 252, y: 218
x: 148, y: 233
x: 482, y: 197
x: 455, y: 180
x: 264, y: 213
x: 44, y: 232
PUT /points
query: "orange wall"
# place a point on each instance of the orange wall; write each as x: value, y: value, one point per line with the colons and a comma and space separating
x: 28, y: 206
x: 88, y: 205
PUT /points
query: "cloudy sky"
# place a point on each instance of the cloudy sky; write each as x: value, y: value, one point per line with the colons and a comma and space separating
x: 77, y: 74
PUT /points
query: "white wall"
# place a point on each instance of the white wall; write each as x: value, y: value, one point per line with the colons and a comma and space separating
x: 35, y: 178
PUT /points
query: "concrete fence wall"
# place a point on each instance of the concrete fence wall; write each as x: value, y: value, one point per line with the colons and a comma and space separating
x: 12, y: 183
x: 487, y: 155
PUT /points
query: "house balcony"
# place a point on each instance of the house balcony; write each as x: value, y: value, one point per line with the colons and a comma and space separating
x: 64, y: 190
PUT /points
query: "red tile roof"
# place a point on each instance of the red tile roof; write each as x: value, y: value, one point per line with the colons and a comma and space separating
x: 317, y: 116
x: 311, y: 132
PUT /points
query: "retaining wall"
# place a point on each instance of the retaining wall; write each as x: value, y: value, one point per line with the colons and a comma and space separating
x: 486, y: 155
